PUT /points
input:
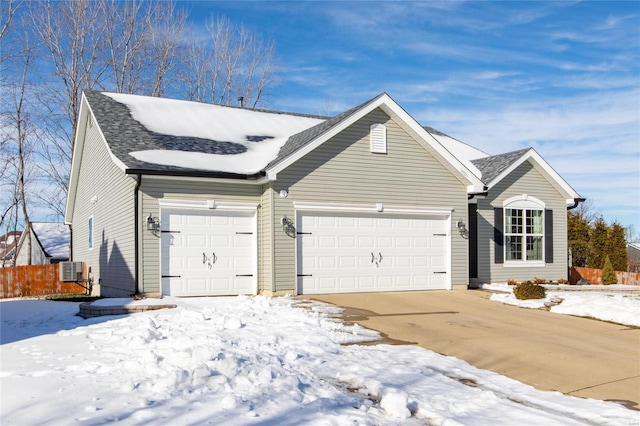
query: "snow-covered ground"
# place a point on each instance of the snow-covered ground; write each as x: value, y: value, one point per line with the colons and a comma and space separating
x: 616, y: 307
x: 250, y: 360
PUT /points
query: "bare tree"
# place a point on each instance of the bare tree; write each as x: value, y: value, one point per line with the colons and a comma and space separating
x: 231, y: 63
x: 137, y: 46
x: 20, y: 134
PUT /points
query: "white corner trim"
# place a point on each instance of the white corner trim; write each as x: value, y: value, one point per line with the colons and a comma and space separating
x: 205, y: 204
x: 370, y: 208
x: 542, y: 166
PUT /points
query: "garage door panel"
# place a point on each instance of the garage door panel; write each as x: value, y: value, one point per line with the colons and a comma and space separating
x: 355, y: 253
x: 203, y: 252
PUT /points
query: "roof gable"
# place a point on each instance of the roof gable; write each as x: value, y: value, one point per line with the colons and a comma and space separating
x: 492, y: 166
x: 305, y: 142
x: 496, y: 168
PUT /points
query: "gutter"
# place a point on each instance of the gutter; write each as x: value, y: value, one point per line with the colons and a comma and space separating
x: 195, y: 173
x: 477, y: 194
x: 136, y: 226
x: 576, y: 201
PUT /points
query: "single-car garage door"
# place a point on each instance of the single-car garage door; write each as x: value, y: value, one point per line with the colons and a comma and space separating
x: 208, y: 253
x: 348, y: 253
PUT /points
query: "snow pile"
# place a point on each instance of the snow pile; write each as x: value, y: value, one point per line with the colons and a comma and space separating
x: 616, y: 307
x: 260, y: 134
x: 249, y: 361
x: 54, y: 237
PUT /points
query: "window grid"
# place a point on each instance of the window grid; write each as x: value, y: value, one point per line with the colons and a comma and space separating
x: 524, y: 226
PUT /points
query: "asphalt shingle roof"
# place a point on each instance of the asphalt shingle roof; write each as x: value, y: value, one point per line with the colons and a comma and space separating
x: 299, y: 140
x: 492, y: 166
x: 124, y: 134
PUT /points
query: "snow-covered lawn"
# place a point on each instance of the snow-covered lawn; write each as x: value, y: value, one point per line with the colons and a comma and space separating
x: 249, y: 360
x: 616, y: 307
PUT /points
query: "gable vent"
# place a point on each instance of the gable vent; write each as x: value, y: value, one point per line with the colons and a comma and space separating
x: 378, y: 137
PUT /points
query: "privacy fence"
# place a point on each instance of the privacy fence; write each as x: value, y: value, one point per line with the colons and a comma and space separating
x: 594, y: 276
x: 34, y: 280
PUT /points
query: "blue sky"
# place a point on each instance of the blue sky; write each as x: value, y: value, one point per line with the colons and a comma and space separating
x: 562, y: 77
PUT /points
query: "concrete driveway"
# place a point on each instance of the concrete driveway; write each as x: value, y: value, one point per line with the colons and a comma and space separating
x: 576, y: 356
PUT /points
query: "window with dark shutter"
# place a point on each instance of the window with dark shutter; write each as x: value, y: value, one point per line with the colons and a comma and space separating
x: 548, y: 236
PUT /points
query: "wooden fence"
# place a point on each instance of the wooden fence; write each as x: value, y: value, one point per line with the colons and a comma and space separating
x: 595, y: 276
x: 34, y: 280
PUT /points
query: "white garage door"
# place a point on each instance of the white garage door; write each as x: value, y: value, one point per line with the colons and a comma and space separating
x: 207, y: 253
x: 361, y: 253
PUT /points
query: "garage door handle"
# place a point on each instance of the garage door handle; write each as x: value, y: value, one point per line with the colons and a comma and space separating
x: 204, y: 258
x: 214, y: 258
x: 380, y: 257
x: 440, y: 272
x: 373, y: 257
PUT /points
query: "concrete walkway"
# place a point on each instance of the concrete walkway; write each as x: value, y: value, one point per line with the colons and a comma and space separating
x: 576, y: 356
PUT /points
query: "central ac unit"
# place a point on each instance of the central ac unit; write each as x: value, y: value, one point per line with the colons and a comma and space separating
x: 71, y: 271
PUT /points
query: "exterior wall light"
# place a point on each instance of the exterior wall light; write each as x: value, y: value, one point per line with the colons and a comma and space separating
x: 461, y: 227
x: 152, y: 223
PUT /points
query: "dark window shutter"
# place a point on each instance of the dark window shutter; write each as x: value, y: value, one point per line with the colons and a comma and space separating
x: 498, y: 236
x: 548, y: 236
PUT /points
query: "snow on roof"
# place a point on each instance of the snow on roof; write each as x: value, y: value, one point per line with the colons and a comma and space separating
x: 254, y: 137
x: 463, y: 152
x: 54, y: 237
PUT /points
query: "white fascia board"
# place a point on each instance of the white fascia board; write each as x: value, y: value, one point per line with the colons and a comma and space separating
x: 543, y: 167
x: 395, y: 110
x: 78, y: 146
x: 78, y: 150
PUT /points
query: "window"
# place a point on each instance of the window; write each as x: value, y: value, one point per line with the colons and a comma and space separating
x: 378, y: 136
x: 90, y: 233
x: 524, y: 234
x: 524, y: 230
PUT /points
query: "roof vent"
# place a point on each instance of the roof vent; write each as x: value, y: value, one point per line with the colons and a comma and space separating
x: 241, y: 101
x: 378, y: 137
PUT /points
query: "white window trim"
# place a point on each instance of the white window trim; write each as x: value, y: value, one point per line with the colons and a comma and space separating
x: 523, y: 202
x: 91, y: 224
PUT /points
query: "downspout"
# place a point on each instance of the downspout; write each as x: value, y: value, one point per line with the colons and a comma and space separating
x: 70, y: 243
x: 576, y: 201
x: 136, y: 229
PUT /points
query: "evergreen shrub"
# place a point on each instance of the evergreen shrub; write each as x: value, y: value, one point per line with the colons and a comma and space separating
x: 608, y: 274
x: 528, y: 290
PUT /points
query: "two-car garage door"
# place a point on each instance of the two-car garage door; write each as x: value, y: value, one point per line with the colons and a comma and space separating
x: 347, y: 253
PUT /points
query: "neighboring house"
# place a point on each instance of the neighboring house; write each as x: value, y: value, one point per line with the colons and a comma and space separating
x: 187, y: 199
x: 8, y: 244
x: 633, y: 254
x: 50, y: 243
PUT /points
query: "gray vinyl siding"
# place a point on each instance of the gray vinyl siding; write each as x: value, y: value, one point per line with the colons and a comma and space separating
x: 112, y: 259
x: 524, y: 180
x: 344, y: 171
x: 152, y: 189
